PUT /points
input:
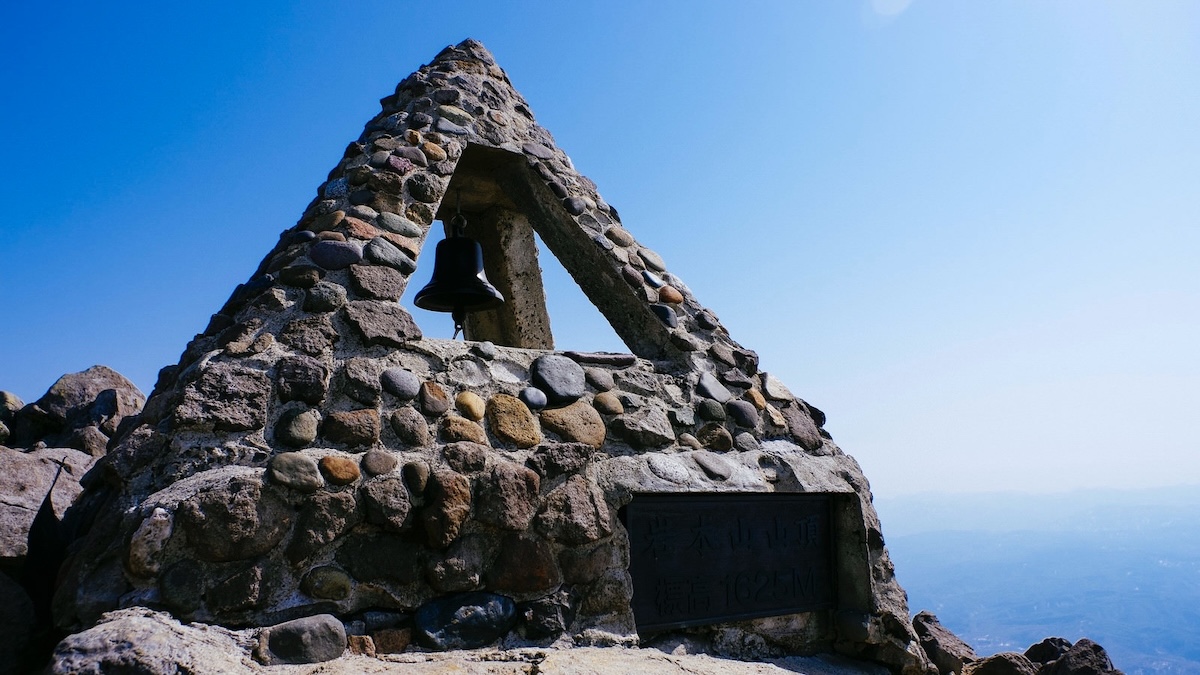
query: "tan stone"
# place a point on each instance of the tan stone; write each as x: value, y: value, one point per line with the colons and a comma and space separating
x: 470, y: 405
x: 512, y: 422
x: 619, y: 235
x: 666, y: 294
x: 413, y: 136
x: 756, y: 399
x: 392, y: 640
x: 577, y: 422
x: 433, y: 152
x: 339, y: 470
x: 455, y: 428
x: 608, y: 403
x: 361, y: 645
x: 775, y: 419
x: 715, y: 437
x: 328, y: 221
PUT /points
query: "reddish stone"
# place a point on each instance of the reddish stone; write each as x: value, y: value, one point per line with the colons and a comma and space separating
x: 508, y: 497
x: 455, y: 428
x: 525, y: 564
x: 448, y: 496
x: 434, y: 400
x: 360, y: 229
x: 392, y: 640
x: 354, y: 428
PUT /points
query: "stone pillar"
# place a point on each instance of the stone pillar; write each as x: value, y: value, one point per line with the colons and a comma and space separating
x: 510, y: 259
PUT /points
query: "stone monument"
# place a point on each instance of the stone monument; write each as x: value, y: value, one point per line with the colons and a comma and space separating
x: 314, y: 467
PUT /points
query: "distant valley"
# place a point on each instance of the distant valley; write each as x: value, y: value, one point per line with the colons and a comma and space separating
x: 1008, y: 569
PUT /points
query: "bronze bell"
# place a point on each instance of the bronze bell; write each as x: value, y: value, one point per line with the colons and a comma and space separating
x: 458, y: 284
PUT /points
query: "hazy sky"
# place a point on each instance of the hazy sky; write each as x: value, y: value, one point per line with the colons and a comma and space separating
x: 966, y: 231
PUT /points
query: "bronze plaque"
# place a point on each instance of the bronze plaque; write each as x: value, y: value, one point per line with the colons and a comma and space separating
x: 709, y: 558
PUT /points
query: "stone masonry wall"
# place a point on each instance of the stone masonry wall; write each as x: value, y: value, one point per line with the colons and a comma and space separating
x: 313, y: 453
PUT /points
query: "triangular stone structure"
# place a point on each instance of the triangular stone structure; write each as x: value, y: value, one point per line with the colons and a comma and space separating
x: 312, y: 453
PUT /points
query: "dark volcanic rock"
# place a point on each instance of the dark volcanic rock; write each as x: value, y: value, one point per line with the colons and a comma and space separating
x: 226, y: 398
x: 943, y: 647
x: 555, y: 459
x: 361, y: 380
x: 387, y: 502
x: 95, y: 399
x: 386, y: 557
x: 525, y: 564
x: 465, y: 621
x: 324, y: 297
x: 301, y: 275
x: 1084, y: 658
x: 1043, y: 652
x: 1004, y: 663
x: 234, y: 520
x: 549, y: 616
x: 376, y: 282
x: 323, y: 518
x: 301, y: 378
x: 382, y: 323
x: 461, y: 569
x: 311, y: 335
x: 508, y: 496
x: 312, y: 639
x: 803, y: 430
x: 448, y: 503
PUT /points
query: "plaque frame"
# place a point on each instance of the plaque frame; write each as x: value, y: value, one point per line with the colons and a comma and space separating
x: 715, y: 557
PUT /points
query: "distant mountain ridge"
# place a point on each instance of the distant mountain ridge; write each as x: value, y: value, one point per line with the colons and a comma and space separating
x: 1004, y: 569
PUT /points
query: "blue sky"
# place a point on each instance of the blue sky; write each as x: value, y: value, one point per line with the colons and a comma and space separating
x: 966, y: 231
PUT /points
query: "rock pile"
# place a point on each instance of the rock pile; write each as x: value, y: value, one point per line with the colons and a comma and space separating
x: 1052, y: 656
x: 81, y: 411
x: 46, y: 447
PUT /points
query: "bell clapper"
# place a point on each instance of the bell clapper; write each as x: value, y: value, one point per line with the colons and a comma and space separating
x: 459, y: 315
